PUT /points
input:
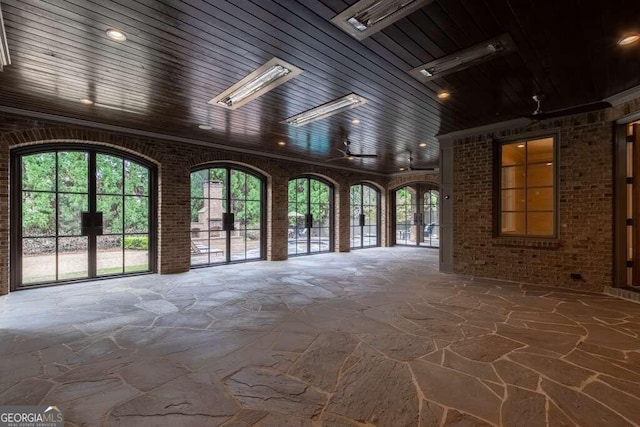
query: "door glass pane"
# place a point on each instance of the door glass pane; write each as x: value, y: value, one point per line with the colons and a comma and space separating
x: 136, y: 179
x: 513, y: 200
x: 136, y: 210
x: 73, y: 172
x: 136, y: 253
x: 513, y: 154
x: 70, y: 208
x: 38, y: 260
x: 513, y: 177
x: 73, y: 258
x: 39, y: 172
x: 112, y: 209
x: 109, y: 174
x: 38, y: 214
x: 218, y: 176
x: 110, y: 255
x: 238, y: 182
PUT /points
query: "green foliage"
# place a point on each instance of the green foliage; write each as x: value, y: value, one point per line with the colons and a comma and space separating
x: 300, y: 191
x: 59, y: 182
x: 136, y: 242
x: 245, y: 192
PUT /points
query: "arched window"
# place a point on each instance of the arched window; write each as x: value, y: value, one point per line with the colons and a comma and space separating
x: 365, y: 216
x: 80, y: 213
x: 310, y: 216
x: 227, y: 215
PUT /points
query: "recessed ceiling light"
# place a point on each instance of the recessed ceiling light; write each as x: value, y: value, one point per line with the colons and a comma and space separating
x: 549, y: 164
x: 628, y: 39
x: 86, y: 101
x: 350, y: 157
x: 355, y: 121
x: 444, y: 94
x: 403, y: 169
x: 205, y: 127
x: 329, y: 109
x: 520, y: 145
x: 422, y: 144
x: 367, y: 17
x: 116, y: 35
x: 267, y: 77
x: 282, y: 143
x: 464, y: 58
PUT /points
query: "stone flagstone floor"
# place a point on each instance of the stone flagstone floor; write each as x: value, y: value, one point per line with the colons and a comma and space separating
x: 373, y: 337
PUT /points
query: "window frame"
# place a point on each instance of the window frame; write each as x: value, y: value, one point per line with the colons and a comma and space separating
x: 497, y: 187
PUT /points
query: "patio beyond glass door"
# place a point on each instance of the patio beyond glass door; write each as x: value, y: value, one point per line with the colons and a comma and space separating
x: 81, y: 214
x: 310, y: 210
x: 365, y: 207
x: 226, y: 216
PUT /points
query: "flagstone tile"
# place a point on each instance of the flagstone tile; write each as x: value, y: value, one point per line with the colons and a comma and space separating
x: 582, y: 409
x: 555, y: 369
x: 376, y: 390
x: 268, y: 390
x: 444, y: 386
x: 486, y: 348
x: 524, y: 408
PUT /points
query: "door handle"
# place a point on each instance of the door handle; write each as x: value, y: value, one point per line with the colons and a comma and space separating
x: 362, y: 220
x: 86, y: 223
x: 308, y: 221
x: 92, y: 223
x: 98, y: 223
x: 228, y: 221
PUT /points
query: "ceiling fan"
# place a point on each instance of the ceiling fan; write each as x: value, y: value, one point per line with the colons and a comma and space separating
x: 347, y: 154
x: 539, y: 115
x: 412, y: 168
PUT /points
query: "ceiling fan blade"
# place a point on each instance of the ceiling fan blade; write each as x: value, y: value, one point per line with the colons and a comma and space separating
x: 364, y: 156
x: 578, y: 109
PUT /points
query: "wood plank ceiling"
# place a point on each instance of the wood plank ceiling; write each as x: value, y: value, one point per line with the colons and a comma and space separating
x: 181, y: 53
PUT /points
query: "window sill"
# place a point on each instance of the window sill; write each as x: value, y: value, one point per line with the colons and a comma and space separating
x: 526, y: 242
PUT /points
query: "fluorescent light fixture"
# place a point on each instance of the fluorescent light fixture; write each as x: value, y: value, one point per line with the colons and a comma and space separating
x: 367, y: 17
x: 205, y: 127
x: 5, y: 59
x: 463, y: 59
x: 329, y: 109
x: 267, y: 77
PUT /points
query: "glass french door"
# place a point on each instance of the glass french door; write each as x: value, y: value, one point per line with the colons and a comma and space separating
x: 406, y: 216
x: 80, y: 214
x: 431, y: 221
x: 310, y: 216
x: 365, y: 214
x: 226, y: 216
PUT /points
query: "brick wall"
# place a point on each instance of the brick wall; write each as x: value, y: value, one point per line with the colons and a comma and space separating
x: 174, y: 161
x: 585, y: 207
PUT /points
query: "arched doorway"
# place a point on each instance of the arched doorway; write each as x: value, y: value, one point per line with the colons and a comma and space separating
x: 80, y: 212
x: 310, y: 213
x: 416, y: 210
x: 365, y: 216
x: 227, y: 215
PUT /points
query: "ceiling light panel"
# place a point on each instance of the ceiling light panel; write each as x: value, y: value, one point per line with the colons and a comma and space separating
x: 269, y: 76
x: 5, y: 59
x: 367, y: 17
x: 464, y: 59
x: 329, y: 109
